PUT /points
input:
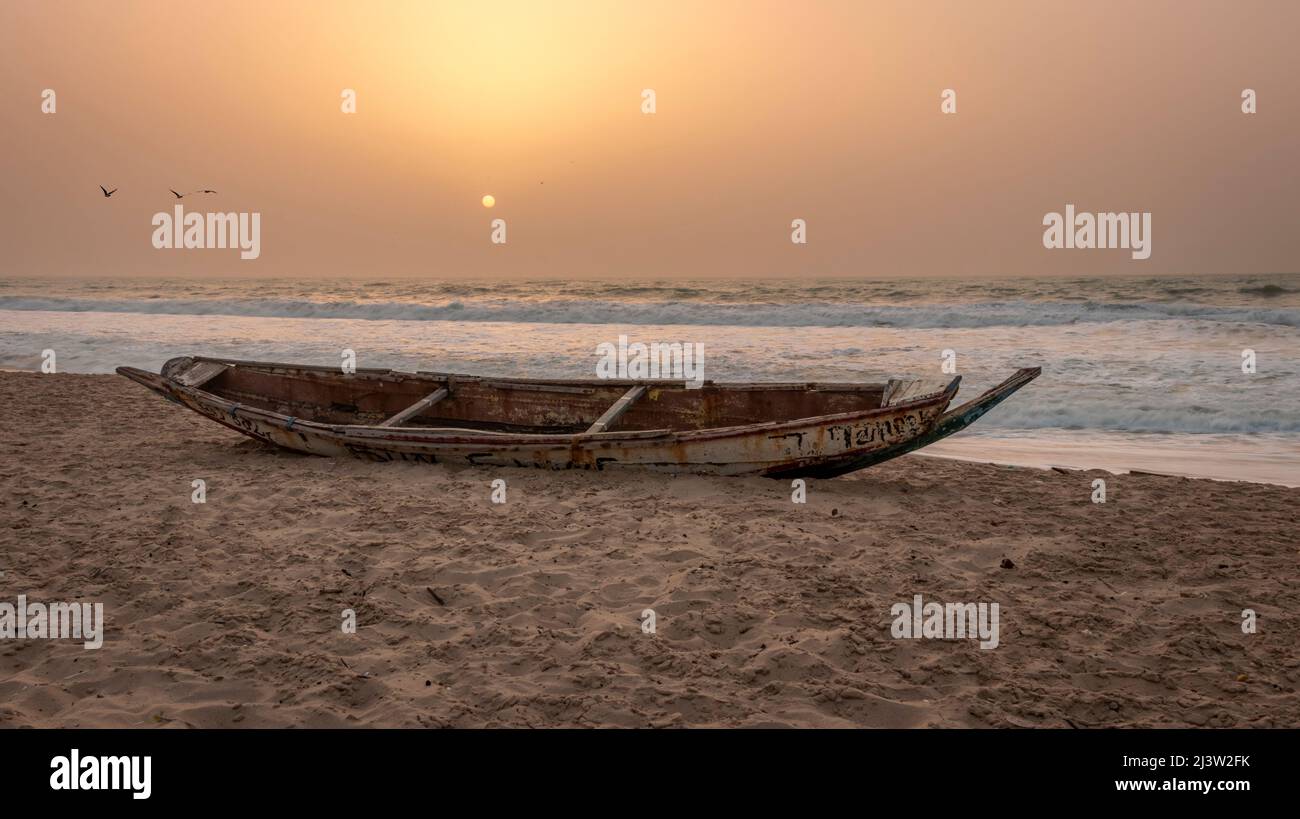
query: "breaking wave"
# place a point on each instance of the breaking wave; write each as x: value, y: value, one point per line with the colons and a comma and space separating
x: 1048, y: 411
x: 586, y: 311
x: 1268, y: 291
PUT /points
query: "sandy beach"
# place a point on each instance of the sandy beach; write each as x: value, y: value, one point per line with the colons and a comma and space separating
x: 469, y: 613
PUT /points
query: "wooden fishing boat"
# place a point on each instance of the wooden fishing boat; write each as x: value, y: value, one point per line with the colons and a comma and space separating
x: 774, y: 429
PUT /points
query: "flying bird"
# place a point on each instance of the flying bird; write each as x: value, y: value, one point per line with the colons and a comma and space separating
x: 205, y: 191
x: 106, y: 191
x: 177, y: 195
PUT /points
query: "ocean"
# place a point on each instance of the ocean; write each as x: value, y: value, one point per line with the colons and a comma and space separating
x: 1138, y: 373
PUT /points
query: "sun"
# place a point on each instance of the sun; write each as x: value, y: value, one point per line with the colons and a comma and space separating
x: 489, y: 200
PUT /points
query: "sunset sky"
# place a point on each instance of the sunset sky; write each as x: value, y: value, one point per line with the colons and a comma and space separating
x: 766, y: 112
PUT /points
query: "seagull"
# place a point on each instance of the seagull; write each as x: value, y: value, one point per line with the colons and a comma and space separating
x: 106, y: 191
x: 177, y: 195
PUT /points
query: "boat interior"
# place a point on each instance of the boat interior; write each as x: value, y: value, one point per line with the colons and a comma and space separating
x: 400, y: 399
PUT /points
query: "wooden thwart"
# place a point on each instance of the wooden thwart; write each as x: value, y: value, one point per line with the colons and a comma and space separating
x: 201, y: 373
x: 416, y: 408
x: 616, y: 411
x: 902, y: 390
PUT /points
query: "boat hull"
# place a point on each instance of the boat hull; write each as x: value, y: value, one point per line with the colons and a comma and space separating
x: 815, y: 447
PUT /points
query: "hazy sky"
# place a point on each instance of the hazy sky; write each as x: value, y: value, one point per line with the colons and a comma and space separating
x: 766, y: 112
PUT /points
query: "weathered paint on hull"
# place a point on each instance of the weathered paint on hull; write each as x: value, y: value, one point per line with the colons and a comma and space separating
x: 951, y: 422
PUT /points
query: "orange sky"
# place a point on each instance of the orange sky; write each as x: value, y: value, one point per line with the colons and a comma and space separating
x: 826, y: 111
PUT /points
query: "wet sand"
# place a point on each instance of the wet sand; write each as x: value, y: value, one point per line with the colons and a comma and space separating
x: 469, y: 613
